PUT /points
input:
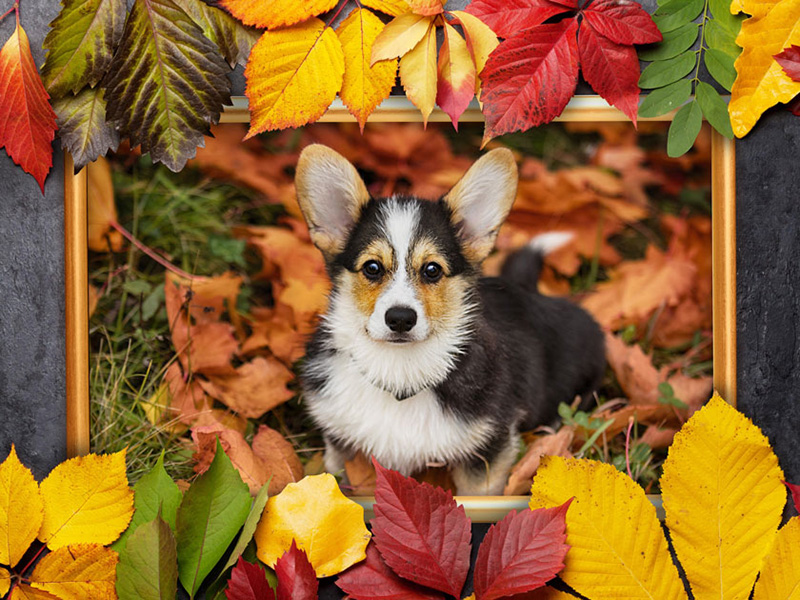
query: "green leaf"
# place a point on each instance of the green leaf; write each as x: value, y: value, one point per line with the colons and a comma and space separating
x: 213, y: 510
x: 674, y: 42
x: 720, y: 38
x: 153, y: 495
x: 234, y: 39
x: 684, y: 129
x: 720, y: 66
x: 714, y: 109
x: 231, y: 251
x: 137, y: 287
x: 663, y: 72
x: 676, y: 13
x: 663, y: 100
x: 720, y: 10
x: 148, y: 565
x: 80, y: 44
x: 82, y: 126
x: 167, y: 83
x: 153, y: 302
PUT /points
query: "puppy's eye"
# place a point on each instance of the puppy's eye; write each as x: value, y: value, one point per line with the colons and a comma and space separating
x: 373, y: 270
x: 432, y: 272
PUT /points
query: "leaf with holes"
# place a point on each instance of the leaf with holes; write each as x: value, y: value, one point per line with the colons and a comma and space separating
x: 296, y: 577
x: 82, y: 125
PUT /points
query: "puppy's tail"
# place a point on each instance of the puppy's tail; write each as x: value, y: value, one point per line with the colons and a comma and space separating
x: 524, y: 266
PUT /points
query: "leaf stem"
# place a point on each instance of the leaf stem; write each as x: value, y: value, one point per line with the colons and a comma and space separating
x: 150, y: 252
x: 33, y: 560
x: 336, y: 14
x: 14, y: 8
x: 703, y: 23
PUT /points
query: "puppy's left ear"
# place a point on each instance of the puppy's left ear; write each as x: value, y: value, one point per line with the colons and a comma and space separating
x: 480, y: 201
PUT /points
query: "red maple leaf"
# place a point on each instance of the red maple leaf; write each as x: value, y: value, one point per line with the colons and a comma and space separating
x: 521, y: 553
x: 248, y: 582
x: 795, y: 490
x: 296, y: 577
x: 422, y: 534
x: 373, y: 580
x: 27, y: 122
x: 789, y: 59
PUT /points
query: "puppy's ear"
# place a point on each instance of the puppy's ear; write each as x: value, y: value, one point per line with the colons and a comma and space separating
x: 480, y: 201
x: 331, y: 195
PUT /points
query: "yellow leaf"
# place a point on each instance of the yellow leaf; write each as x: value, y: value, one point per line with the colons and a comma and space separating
x: 390, y: 7
x: 364, y: 87
x: 761, y: 82
x: 780, y: 577
x: 26, y: 592
x: 267, y: 14
x: 427, y: 7
x: 418, y: 75
x: 723, y: 498
x: 617, y: 547
x: 21, y: 509
x: 326, y: 525
x: 756, y: 8
x: 78, y: 572
x: 5, y: 581
x: 86, y: 501
x: 101, y: 237
x: 481, y: 41
x: 293, y: 75
x: 400, y: 36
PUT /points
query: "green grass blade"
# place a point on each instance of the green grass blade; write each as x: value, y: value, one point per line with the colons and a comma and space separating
x: 663, y: 100
x: 664, y: 72
x: 148, y: 568
x: 684, y: 129
x: 714, y: 109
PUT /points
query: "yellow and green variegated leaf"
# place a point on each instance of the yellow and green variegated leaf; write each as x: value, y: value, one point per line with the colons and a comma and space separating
x: 780, y: 576
x: 82, y: 126
x: 723, y: 498
x: 617, y: 547
x: 234, y: 39
x: 81, y: 43
x: 167, y: 83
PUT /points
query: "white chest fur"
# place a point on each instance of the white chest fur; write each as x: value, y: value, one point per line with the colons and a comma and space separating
x: 402, y: 435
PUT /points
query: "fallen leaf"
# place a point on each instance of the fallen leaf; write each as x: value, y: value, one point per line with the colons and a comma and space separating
x: 248, y: 582
x: 283, y: 465
x: 77, y: 571
x: 269, y: 14
x: 185, y: 400
x: 21, y: 509
x: 551, y: 444
x: 296, y: 577
x: 361, y: 476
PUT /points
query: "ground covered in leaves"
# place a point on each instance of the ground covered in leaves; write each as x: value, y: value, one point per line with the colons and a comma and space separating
x: 205, y: 286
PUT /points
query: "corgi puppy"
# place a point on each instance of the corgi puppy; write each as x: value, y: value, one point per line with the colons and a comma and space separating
x: 418, y: 359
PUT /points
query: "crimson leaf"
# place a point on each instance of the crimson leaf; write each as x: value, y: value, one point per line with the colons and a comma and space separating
x: 507, y: 17
x: 248, y: 582
x: 422, y: 534
x: 622, y: 22
x: 795, y: 490
x: 789, y: 59
x: 296, y: 577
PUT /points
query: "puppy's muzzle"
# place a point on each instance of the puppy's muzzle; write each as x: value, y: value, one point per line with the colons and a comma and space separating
x: 401, y: 319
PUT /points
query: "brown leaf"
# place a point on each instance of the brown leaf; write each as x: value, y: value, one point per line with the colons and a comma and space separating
x: 658, y: 438
x: 251, y: 468
x: 282, y: 463
x: 101, y: 237
x: 551, y: 444
x: 360, y: 475
x: 187, y: 400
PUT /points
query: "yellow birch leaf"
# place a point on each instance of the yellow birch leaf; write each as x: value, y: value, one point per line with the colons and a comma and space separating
x: 780, y: 576
x: 389, y: 7
x: 364, y: 87
x: 23, y: 591
x: 5, y: 581
x: 756, y: 8
x: 21, y: 509
x: 617, y: 547
x: 481, y: 41
x: 101, y: 237
x: 78, y: 572
x: 293, y: 75
x: 723, y: 498
x: 418, y: 74
x: 326, y: 525
x: 86, y: 501
x: 760, y: 81
x: 400, y: 36
x: 267, y: 14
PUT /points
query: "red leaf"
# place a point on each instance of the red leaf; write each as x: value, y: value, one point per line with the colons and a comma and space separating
x: 455, y: 85
x: 521, y: 553
x: 530, y: 77
x: 611, y: 69
x: 795, y: 490
x: 507, y: 17
x: 27, y: 122
x: 422, y: 534
x: 789, y: 59
x: 622, y: 21
x: 296, y: 577
x: 248, y: 582
x: 373, y: 580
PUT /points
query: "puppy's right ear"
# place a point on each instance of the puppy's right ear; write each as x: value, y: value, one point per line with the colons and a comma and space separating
x: 331, y: 195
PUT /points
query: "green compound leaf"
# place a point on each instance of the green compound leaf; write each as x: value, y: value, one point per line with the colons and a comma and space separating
x: 663, y: 72
x: 663, y: 100
x: 234, y: 39
x: 714, y: 108
x: 721, y: 10
x: 674, y: 43
x: 82, y: 127
x: 676, y: 13
x: 167, y: 83
x: 684, y: 129
x: 148, y: 568
x: 213, y: 510
x: 716, y: 36
x: 81, y: 43
x: 720, y: 66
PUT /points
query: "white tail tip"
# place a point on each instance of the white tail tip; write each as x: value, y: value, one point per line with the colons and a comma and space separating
x: 553, y: 240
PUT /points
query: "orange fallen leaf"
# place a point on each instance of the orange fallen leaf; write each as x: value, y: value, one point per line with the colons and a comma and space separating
x: 101, y: 236
x: 283, y: 465
x: 551, y: 444
x: 360, y: 476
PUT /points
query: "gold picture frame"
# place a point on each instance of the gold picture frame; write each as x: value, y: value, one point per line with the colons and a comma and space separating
x: 399, y: 109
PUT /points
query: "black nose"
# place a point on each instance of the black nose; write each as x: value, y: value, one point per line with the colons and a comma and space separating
x: 401, y: 318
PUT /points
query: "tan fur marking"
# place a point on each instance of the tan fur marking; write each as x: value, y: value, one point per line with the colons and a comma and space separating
x: 366, y: 292
x: 442, y: 300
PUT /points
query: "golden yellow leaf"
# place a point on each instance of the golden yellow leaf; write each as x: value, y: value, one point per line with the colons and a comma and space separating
x: 390, y: 7
x: 756, y: 8
x: 761, y: 82
x: 427, y: 7
x: 78, y: 572
x: 21, y: 509
x: 780, y: 576
x: 86, y: 501
x: 293, y: 75
x: 326, y: 525
x: 418, y: 74
x: 723, y: 498
x: 617, y: 547
x: 364, y: 87
x: 400, y: 36
x: 23, y: 591
x: 481, y: 41
x: 101, y: 237
x: 5, y: 581
x: 266, y: 14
